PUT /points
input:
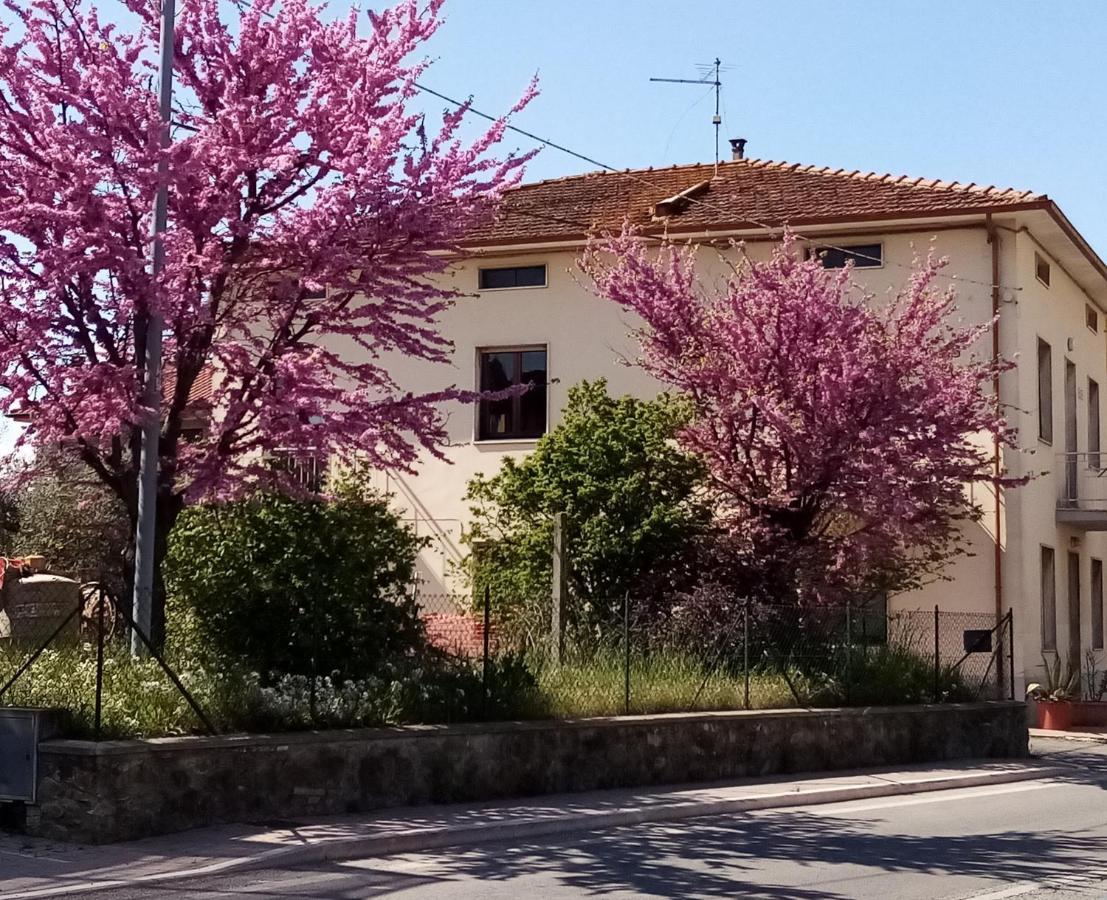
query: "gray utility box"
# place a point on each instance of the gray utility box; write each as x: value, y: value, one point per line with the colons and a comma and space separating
x: 20, y: 731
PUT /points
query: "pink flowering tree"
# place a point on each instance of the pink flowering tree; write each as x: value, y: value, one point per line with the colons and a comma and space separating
x: 840, y: 430
x: 311, y: 208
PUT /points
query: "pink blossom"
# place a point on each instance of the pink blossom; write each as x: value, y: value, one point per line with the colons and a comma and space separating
x: 837, y: 429
x: 297, y: 164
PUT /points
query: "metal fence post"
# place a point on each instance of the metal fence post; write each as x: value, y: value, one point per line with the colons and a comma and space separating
x: 746, y: 652
x: 98, y: 713
x: 559, y: 590
x: 626, y: 654
x: 1011, y: 650
x: 484, y: 657
x: 937, y: 659
x: 849, y: 650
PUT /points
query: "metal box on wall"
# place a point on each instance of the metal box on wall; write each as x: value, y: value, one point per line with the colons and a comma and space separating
x: 20, y: 732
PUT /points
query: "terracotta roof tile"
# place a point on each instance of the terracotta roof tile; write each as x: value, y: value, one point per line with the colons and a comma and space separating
x: 749, y: 193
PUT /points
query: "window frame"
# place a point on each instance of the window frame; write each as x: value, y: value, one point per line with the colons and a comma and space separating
x: 1096, y: 597
x: 515, y: 287
x: 478, y: 423
x: 1039, y: 262
x: 1095, y: 433
x: 1091, y: 314
x: 815, y: 250
x: 1048, y: 635
x: 1045, y: 435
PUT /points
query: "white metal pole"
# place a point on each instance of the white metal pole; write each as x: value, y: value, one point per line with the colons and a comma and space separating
x: 148, y: 461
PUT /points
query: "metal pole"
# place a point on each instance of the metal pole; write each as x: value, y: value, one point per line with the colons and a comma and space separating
x: 746, y: 650
x: 97, y: 716
x: 145, y: 532
x: 1011, y: 651
x: 849, y: 650
x: 559, y: 589
x: 626, y: 654
x: 484, y: 661
x: 937, y: 657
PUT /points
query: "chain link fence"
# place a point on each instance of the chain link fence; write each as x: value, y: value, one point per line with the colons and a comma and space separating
x: 67, y: 644
x: 613, y: 657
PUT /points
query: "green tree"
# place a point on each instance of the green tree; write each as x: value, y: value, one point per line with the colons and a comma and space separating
x: 61, y: 513
x: 299, y: 587
x: 631, y: 500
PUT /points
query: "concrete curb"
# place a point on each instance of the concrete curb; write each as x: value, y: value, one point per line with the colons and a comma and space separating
x: 437, y: 837
x: 1085, y: 737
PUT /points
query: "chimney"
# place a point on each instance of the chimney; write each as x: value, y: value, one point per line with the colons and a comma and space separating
x: 737, y: 148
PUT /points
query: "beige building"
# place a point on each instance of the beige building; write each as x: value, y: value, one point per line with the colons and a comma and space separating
x: 530, y: 317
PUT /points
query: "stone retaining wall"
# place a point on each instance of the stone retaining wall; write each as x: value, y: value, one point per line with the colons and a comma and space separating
x: 127, y: 789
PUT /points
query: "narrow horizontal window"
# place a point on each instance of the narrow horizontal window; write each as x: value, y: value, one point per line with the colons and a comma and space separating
x: 523, y: 415
x: 512, y: 277
x: 863, y: 256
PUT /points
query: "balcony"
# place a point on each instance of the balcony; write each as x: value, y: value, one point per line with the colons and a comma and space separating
x: 1082, y: 490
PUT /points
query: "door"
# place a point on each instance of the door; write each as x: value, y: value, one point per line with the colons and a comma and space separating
x: 1074, y: 610
x: 1070, y: 433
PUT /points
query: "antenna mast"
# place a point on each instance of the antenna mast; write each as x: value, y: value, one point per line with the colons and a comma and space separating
x: 716, y: 119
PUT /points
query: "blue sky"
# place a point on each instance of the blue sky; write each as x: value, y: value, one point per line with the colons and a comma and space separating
x: 1008, y: 93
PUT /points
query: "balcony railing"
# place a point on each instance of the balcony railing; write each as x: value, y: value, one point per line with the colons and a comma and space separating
x: 1081, y: 480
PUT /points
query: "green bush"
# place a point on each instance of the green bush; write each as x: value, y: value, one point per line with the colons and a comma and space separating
x: 298, y: 587
x: 632, y: 505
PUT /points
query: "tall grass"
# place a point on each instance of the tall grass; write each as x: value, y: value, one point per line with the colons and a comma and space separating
x: 139, y: 700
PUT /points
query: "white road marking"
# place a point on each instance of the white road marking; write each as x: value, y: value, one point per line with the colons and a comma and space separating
x: 849, y: 807
x: 1015, y: 890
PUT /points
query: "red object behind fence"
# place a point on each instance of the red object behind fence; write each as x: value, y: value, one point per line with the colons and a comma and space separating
x: 458, y: 633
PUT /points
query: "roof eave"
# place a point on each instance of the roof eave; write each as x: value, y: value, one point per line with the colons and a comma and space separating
x: 739, y: 227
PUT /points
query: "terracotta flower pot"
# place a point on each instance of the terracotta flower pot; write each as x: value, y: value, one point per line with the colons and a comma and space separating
x: 1092, y: 713
x: 1055, y: 715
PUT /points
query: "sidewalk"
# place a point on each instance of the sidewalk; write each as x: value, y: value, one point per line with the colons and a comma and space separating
x: 31, y: 868
x: 1087, y: 734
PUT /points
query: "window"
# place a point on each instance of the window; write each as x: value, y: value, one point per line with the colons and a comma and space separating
x: 520, y: 416
x: 1045, y: 392
x: 1074, y: 608
x: 1041, y: 269
x: 1093, y: 424
x: 1049, y: 600
x: 1097, y: 604
x: 863, y: 256
x: 305, y: 470
x: 1091, y: 319
x: 512, y: 277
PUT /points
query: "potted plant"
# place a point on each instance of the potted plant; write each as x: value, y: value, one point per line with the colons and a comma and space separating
x: 1091, y: 711
x: 1054, y: 697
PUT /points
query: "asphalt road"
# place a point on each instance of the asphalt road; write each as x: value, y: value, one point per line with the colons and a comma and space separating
x: 1030, y: 840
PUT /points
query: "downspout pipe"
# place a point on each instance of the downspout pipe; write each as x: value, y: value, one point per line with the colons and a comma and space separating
x: 993, y: 242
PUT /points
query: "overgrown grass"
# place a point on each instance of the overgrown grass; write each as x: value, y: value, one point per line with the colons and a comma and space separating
x: 139, y: 700
x: 595, y: 684
x: 659, y: 683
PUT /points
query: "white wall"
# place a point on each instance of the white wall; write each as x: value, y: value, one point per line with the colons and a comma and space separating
x: 588, y: 338
x: 1057, y: 315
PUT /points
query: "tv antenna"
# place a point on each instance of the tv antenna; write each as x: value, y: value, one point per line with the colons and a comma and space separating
x: 709, y: 75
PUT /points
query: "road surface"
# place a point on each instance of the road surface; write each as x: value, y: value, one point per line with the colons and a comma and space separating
x: 1031, y: 840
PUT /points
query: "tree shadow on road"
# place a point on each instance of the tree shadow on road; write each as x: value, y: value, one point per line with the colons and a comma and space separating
x: 647, y: 859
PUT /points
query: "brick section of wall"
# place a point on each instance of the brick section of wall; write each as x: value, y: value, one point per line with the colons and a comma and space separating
x: 116, y: 791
